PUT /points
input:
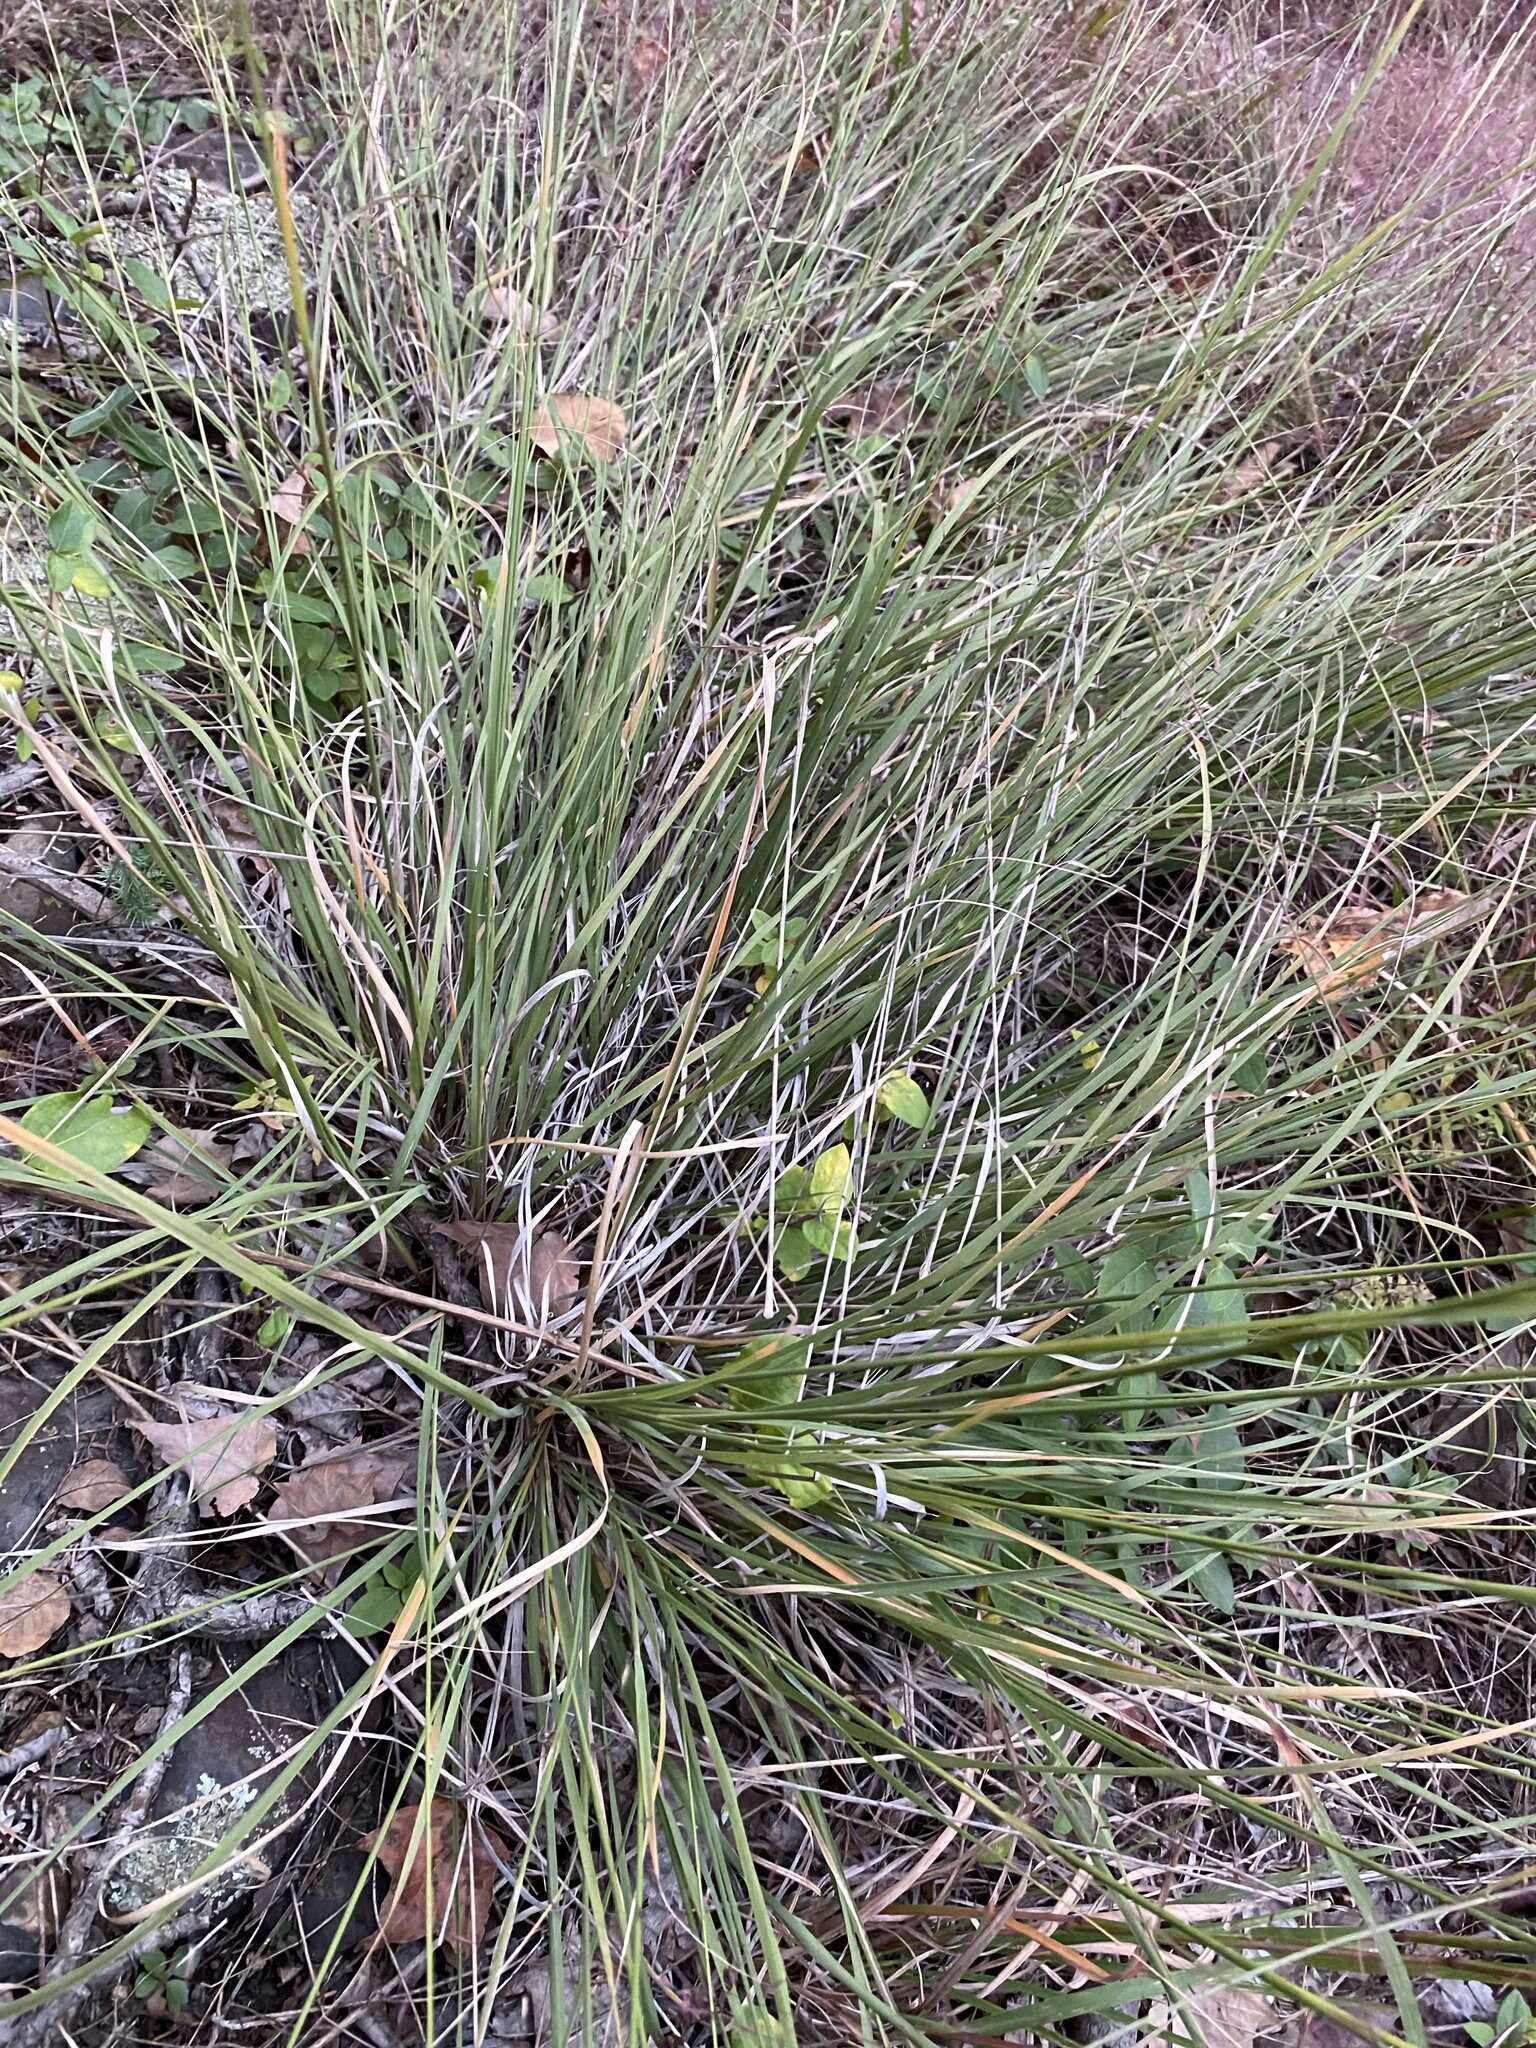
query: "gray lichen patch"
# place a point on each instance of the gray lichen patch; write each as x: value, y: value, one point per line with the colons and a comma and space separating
x: 168, y: 1855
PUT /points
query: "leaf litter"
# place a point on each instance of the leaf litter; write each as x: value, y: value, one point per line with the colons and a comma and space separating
x: 224, y: 1450
x: 534, y: 1277
x: 95, y: 1484
x: 31, y: 1610
x: 328, y: 1493
x: 593, y: 426
x: 444, y: 1872
x: 1346, y: 952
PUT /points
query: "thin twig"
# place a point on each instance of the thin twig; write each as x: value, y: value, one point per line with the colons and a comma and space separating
x: 90, y: 902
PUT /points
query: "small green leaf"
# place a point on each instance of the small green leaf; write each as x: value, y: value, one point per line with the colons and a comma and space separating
x: 145, y: 1985
x: 755, y: 2026
x: 546, y: 588
x: 172, y: 562
x: 71, y: 528
x: 274, y: 1328
x: 376, y: 1607
x: 1035, y: 376
x: 1123, y: 1276
x: 91, y: 1128
x: 305, y: 608
x: 1251, y: 1073
x: 280, y: 391
x: 61, y: 571
x: 1202, y: 1202
x: 793, y: 1253
x: 803, y: 1488
x: 151, y: 287
x: 901, y: 1097
x: 1141, y: 1388
x: 1212, y: 1577
x: 832, y: 1179
x: 1074, y: 1269
x: 789, y: 1190
x: 98, y: 415
x: 177, y: 1992
x: 146, y: 660
x: 1218, y: 1299
x: 767, y: 942
x: 836, y: 1239
x: 770, y: 1373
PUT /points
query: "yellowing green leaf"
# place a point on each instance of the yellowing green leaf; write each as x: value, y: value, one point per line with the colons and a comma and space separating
x: 803, y: 1488
x: 901, y: 1097
x: 88, y: 577
x: 834, y: 1237
x: 91, y: 1128
x: 770, y: 1373
x: 832, y: 1180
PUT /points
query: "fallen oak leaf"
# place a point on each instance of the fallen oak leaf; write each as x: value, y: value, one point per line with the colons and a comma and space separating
x: 535, y: 1278
x: 224, y: 1451
x: 31, y: 1610
x: 97, y: 1483
x: 325, y: 1494
x: 596, y: 425
x: 442, y: 1882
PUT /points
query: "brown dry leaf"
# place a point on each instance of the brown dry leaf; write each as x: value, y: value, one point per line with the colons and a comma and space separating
x: 187, y: 1168
x: 646, y: 60
x: 535, y: 1281
x: 232, y: 815
x: 501, y: 306
x: 95, y: 1484
x: 952, y: 497
x: 225, y: 1450
x: 287, y: 504
x: 595, y: 424
x: 31, y: 1611
x: 1225, y: 2015
x: 336, y: 1484
x: 811, y: 154
x: 881, y: 407
x: 1267, y: 464
x: 459, y: 1876
x: 1344, y: 953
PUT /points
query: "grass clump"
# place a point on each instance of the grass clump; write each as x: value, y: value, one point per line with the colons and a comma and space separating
x: 959, y: 864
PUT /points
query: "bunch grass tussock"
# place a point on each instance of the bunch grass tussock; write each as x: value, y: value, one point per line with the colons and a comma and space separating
x: 809, y: 805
